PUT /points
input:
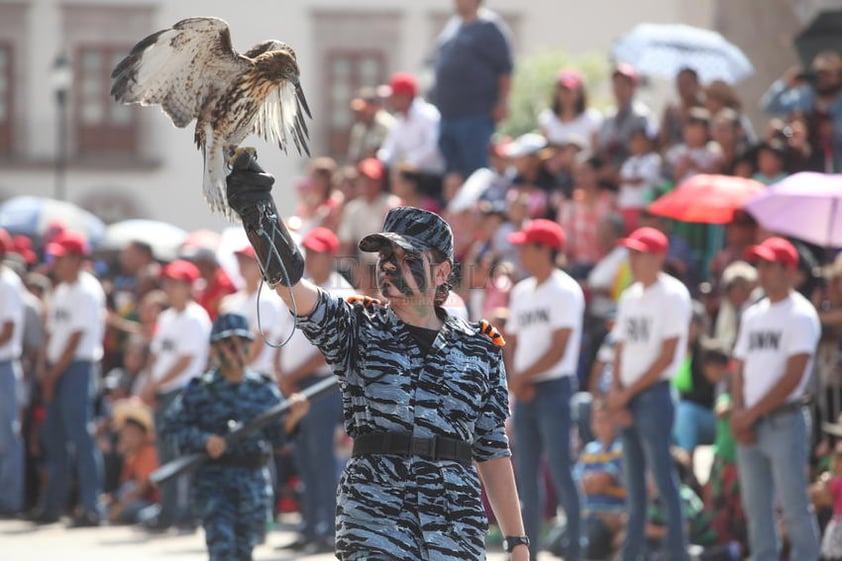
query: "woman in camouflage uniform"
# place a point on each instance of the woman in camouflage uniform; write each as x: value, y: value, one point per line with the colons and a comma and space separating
x: 424, y: 394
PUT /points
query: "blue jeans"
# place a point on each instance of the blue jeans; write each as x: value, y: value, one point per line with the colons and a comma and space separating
x: 694, y: 425
x: 582, y: 411
x: 69, y: 421
x: 543, y: 425
x: 315, y: 454
x: 776, y: 467
x: 646, y: 444
x: 11, y: 444
x: 464, y: 143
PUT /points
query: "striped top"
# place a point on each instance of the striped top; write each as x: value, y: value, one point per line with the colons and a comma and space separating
x: 411, y: 508
x: 597, y: 458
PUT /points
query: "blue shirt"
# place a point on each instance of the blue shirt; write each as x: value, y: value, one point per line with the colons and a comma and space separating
x: 596, y: 458
x: 782, y: 100
x: 469, y: 61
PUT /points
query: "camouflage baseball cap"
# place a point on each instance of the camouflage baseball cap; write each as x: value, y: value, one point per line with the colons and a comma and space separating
x: 414, y: 230
x: 230, y: 325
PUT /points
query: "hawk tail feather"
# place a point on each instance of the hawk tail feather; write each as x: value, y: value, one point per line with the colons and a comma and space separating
x: 213, y: 182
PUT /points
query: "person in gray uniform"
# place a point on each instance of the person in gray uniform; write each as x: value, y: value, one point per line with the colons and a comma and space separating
x: 424, y: 394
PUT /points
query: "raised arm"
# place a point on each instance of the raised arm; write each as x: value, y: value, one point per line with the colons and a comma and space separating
x: 281, y: 263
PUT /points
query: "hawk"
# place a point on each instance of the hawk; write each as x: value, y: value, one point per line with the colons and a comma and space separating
x: 192, y: 71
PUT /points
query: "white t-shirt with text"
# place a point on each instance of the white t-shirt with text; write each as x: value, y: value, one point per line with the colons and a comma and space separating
x: 78, y: 306
x: 646, y: 317
x: 178, y: 334
x: 538, y: 311
x: 769, y: 335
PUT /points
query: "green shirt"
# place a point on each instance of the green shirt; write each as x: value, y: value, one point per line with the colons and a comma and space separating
x: 725, y: 446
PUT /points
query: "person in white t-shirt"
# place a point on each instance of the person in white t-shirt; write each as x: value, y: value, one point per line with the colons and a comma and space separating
x: 569, y: 116
x: 639, y: 175
x: 775, y: 347
x: 76, y: 324
x: 11, y: 337
x: 650, y: 334
x: 544, y: 331
x: 179, y: 352
x: 414, y: 138
x: 264, y: 323
x: 301, y: 366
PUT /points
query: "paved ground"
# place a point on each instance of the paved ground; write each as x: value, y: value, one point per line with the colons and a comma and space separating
x: 21, y: 541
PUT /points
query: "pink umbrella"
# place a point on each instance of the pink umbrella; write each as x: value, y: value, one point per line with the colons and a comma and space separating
x: 807, y: 206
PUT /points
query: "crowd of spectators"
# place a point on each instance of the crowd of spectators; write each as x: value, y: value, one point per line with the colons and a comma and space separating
x: 592, y: 173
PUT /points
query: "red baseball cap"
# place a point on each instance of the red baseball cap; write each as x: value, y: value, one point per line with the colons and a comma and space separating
x: 23, y: 247
x: 246, y: 251
x: 626, y: 70
x: 570, y: 79
x: 321, y: 240
x: 776, y: 250
x: 403, y: 83
x: 181, y: 270
x: 68, y: 242
x: 6, y: 243
x: 371, y: 168
x: 646, y: 240
x: 540, y: 231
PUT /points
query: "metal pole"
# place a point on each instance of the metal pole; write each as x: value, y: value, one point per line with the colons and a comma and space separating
x: 61, y: 145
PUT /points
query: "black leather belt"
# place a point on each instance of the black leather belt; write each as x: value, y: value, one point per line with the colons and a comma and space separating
x: 787, y: 407
x: 247, y: 461
x: 404, y: 444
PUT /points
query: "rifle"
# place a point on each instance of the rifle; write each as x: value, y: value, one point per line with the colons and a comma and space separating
x: 192, y: 461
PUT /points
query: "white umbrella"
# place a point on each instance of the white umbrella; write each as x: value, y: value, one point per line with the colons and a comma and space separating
x: 163, y: 238
x: 663, y: 49
x: 32, y: 216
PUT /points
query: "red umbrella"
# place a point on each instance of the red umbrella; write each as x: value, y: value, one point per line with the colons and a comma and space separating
x: 710, y: 199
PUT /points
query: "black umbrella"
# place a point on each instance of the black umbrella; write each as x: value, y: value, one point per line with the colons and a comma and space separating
x: 823, y: 34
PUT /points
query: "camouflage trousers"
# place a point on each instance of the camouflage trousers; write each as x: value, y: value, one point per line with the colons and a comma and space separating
x: 233, y: 504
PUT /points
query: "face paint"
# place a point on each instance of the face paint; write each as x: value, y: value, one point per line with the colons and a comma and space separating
x: 393, y: 271
x: 231, y: 354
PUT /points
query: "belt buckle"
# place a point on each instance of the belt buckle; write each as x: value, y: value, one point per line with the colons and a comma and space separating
x: 424, y: 447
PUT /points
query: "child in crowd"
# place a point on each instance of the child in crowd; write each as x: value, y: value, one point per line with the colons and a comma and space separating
x: 722, y: 491
x: 696, y: 154
x: 136, y: 444
x: 830, y: 489
x: 599, y: 470
x: 639, y: 176
x: 771, y: 162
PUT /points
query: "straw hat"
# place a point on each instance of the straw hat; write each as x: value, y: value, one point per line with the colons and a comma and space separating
x: 133, y: 409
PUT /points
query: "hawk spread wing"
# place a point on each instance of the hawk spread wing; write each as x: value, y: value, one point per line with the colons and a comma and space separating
x: 192, y: 71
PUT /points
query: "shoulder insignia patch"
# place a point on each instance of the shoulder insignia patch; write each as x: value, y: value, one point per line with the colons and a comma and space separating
x: 491, y: 332
x: 366, y: 301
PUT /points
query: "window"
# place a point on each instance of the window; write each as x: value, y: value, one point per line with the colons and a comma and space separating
x: 347, y: 71
x: 101, y: 124
x: 5, y: 99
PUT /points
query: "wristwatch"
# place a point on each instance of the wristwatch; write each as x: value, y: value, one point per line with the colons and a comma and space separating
x: 509, y: 542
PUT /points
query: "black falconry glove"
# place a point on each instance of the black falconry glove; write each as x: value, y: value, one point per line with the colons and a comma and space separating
x: 250, y: 195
